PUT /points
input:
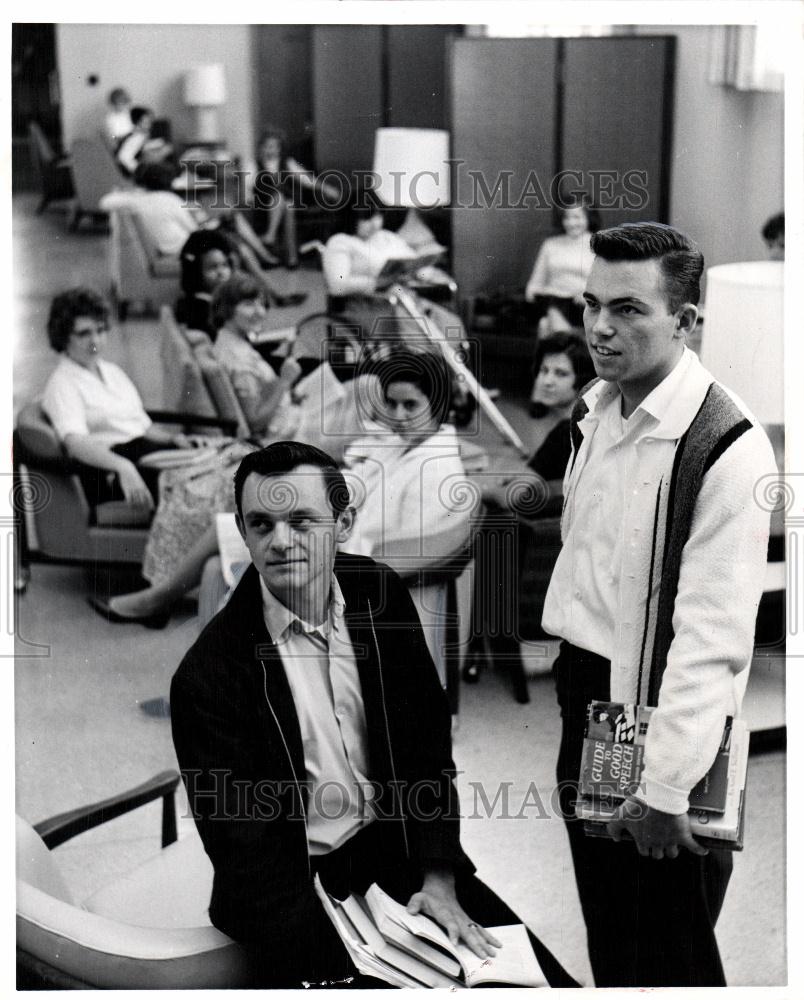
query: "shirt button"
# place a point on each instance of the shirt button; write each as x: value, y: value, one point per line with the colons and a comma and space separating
x: 578, y: 594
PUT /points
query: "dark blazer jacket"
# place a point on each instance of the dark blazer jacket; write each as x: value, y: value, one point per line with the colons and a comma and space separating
x: 239, y: 746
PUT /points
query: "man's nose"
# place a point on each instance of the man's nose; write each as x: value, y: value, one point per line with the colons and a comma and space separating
x: 602, y: 325
x: 282, y: 535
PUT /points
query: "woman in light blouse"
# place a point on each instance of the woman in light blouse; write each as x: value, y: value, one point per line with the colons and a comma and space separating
x: 562, y: 266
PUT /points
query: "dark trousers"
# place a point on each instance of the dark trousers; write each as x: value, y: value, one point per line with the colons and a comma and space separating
x: 102, y: 486
x: 648, y: 922
x: 366, y: 858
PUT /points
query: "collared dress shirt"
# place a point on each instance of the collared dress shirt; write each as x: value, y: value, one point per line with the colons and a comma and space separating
x: 320, y: 666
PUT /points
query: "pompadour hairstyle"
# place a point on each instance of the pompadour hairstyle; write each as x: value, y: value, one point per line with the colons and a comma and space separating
x: 680, y: 260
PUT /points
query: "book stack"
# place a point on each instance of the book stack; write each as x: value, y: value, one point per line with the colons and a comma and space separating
x: 411, y: 950
x: 611, y: 769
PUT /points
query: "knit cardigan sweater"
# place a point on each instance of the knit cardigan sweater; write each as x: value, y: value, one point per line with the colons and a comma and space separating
x: 698, y: 625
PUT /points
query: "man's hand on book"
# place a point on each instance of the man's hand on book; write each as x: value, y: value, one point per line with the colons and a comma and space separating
x: 656, y: 834
x: 437, y: 899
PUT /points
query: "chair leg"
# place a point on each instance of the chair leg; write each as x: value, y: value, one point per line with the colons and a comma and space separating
x: 22, y: 553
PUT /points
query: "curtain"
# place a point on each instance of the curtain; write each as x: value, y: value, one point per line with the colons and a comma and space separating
x: 747, y: 57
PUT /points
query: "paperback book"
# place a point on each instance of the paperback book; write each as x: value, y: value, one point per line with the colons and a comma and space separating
x: 611, y: 768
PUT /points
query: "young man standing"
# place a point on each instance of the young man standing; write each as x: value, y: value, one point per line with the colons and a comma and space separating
x: 655, y: 595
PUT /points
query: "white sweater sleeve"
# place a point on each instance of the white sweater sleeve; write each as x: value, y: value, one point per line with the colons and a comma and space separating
x: 719, y: 588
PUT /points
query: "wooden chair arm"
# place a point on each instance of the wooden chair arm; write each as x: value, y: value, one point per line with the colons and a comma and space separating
x: 57, y: 829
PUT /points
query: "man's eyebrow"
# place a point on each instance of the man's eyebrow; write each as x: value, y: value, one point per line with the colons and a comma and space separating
x: 616, y: 302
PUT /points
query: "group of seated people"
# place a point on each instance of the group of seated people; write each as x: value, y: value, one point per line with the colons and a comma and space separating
x: 392, y: 427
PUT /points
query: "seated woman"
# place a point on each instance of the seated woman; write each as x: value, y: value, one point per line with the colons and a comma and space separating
x: 118, y: 123
x: 563, y: 367
x: 94, y: 407
x: 273, y: 197
x: 136, y: 149
x: 238, y: 316
x: 562, y: 266
x: 206, y: 264
x: 352, y: 263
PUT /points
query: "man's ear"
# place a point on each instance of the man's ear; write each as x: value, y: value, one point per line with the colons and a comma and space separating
x: 686, y: 318
x: 240, y: 526
x: 344, y: 524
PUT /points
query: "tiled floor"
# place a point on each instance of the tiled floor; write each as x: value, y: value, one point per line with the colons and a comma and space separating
x: 81, y: 736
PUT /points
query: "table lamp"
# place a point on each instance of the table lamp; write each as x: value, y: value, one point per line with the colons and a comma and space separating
x: 743, y: 334
x: 205, y: 92
x: 412, y: 170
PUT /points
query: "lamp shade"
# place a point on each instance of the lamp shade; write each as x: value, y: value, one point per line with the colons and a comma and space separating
x: 205, y: 86
x: 743, y: 334
x: 412, y: 167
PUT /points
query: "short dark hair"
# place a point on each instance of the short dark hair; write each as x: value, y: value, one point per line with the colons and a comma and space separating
x: 118, y: 94
x: 426, y: 370
x: 573, y: 344
x: 680, y: 260
x: 66, y: 308
x: 227, y: 296
x: 138, y: 112
x: 773, y: 228
x: 191, y: 258
x: 285, y: 456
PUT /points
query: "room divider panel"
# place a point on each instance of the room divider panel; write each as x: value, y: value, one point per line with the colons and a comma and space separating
x: 534, y: 116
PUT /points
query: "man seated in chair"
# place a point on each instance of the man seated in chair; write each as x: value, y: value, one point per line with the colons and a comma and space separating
x: 314, y: 738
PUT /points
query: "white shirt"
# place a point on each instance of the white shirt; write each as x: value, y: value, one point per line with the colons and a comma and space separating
x: 598, y: 596
x: 351, y: 265
x: 320, y: 666
x: 165, y: 219
x: 108, y: 407
x: 562, y: 267
x: 119, y: 124
x: 405, y: 494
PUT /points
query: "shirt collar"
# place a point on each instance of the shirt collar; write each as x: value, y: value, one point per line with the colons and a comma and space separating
x: 279, y: 619
x: 672, y: 404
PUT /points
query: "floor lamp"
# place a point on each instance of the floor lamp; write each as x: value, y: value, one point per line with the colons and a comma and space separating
x: 411, y: 167
x: 205, y: 92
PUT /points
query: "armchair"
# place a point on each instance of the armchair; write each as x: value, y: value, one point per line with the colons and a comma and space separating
x: 139, y: 273
x: 95, y: 174
x: 147, y: 929
x: 49, y: 497
x: 54, y: 173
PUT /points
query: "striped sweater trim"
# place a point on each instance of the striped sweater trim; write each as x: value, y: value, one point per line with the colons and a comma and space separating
x: 718, y: 423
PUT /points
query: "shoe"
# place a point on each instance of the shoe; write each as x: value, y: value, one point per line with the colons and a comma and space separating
x: 104, y: 609
x: 294, y: 299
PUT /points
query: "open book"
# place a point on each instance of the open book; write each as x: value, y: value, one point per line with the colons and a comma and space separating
x: 399, y: 268
x: 404, y: 949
